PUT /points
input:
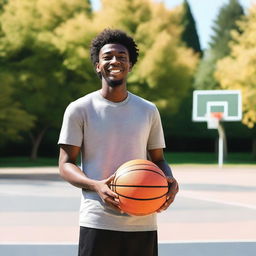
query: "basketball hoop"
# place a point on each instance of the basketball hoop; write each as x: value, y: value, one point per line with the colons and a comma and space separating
x: 216, y: 107
x: 213, y: 120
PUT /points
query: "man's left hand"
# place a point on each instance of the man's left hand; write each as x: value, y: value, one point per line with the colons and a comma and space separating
x: 173, y: 190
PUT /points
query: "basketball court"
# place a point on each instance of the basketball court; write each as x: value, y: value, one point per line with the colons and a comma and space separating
x: 214, y: 213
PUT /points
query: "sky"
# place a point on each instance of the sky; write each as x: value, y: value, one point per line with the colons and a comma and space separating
x: 204, y: 13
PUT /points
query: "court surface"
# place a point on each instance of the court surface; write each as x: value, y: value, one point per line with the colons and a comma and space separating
x: 214, y: 212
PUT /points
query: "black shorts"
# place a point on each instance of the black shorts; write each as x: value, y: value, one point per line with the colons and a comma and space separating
x: 99, y: 242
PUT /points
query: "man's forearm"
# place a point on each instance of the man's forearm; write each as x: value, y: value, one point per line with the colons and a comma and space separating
x: 74, y: 175
x: 164, y: 166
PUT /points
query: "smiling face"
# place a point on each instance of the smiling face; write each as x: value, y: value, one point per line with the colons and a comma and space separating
x: 114, y: 64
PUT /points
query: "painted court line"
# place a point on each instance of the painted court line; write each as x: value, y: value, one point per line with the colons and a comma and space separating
x: 37, y: 243
x: 205, y: 241
x: 249, y: 206
x: 160, y: 242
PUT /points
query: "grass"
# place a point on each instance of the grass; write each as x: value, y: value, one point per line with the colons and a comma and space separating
x: 208, y: 158
x: 27, y: 162
x: 171, y: 157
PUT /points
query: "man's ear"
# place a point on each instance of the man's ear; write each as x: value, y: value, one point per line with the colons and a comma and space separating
x: 97, y: 68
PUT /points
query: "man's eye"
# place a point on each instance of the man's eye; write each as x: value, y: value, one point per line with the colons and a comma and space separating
x: 119, y: 58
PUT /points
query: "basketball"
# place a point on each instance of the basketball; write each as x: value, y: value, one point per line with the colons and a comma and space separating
x: 141, y: 187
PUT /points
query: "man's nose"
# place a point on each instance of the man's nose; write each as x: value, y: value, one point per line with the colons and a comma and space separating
x: 114, y: 59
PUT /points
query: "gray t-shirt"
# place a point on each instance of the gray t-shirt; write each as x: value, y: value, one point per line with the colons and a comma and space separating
x: 109, y: 135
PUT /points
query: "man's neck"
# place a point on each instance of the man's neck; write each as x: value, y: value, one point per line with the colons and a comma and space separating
x: 114, y: 94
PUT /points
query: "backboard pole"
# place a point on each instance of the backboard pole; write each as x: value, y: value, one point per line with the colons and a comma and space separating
x: 221, y: 143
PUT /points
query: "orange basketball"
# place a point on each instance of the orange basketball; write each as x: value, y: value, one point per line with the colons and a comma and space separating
x: 141, y: 186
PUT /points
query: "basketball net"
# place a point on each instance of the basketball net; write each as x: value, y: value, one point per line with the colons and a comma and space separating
x: 213, y: 120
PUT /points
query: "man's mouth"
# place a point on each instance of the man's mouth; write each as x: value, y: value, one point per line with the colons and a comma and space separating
x: 114, y: 71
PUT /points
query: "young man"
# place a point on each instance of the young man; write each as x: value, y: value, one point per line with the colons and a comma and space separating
x: 110, y: 127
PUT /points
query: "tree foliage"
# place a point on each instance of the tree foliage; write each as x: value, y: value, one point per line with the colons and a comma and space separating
x: 224, y: 24
x: 189, y: 33
x: 37, y: 52
x: 13, y: 119
x: 238, y: 70
x: 226, y: 21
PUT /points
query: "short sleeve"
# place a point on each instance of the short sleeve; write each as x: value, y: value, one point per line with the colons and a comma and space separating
x: 72, y: 127
x: 156, y: 134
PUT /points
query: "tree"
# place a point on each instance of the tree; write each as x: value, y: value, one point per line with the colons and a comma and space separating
x: 2, y: 3
x: 13, y: 119
x: 204, y: 77
x: 126, y: 15
x: 226, y: 21
x: 189, y: 34
x: 44, y: 59
x: 238, y: 70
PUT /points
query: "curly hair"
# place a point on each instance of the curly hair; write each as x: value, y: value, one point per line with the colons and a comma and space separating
x: 111, y: 36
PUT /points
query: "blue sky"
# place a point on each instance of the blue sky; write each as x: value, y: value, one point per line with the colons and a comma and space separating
x: 204, y: 12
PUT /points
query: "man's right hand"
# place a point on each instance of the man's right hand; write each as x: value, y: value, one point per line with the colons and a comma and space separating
x: 109, y: 197
x: 73, y: 174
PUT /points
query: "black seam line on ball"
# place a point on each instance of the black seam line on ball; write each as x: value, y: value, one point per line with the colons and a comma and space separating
x: 138, y: 170
x: 139, y: 186
x: 142, y: 199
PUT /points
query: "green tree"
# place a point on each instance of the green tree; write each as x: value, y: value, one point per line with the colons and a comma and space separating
x: 126, y: 14
x: 2, y: 3
x: 204, y: 76
x: 13, y: 119
x: 45, y: 61
x: 237, y: 71
x: 226, y: 21
x: 189, y: 34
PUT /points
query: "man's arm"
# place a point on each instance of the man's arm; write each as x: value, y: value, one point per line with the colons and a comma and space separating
x: 157, y: 157
x: 74, y: 175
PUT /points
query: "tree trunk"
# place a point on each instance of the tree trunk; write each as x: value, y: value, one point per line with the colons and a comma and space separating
x: 36, y: 141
